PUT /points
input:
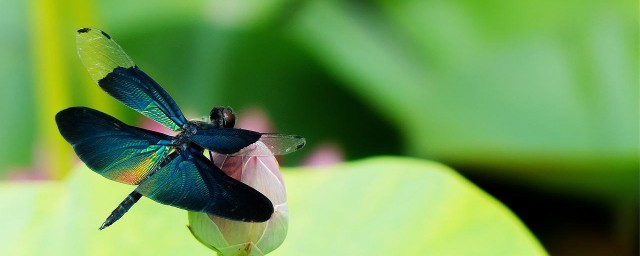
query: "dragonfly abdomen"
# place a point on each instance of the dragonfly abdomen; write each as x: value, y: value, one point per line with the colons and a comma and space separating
x: 117, y: 213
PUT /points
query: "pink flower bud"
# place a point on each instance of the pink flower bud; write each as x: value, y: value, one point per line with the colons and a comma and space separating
x: 257, y: 167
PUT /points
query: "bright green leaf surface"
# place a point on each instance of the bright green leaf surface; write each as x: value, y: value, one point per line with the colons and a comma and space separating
x: 379, y: 206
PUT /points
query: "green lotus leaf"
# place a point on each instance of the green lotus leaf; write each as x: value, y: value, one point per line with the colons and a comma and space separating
x: 377, y: 206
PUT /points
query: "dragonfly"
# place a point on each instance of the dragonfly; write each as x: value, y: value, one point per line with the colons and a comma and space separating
x: 170, y: 170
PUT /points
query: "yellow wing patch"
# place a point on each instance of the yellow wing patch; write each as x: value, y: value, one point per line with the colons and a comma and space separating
x: 99, y: 53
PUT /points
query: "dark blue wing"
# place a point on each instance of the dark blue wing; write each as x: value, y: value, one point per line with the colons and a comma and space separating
x: 111, y: 148
x: 224, y: 140
x: 116, y: 73
x: 135, y: 89
x: 191, y: 182
x: 231, y: 140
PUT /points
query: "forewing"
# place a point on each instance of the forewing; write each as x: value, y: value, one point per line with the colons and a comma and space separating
x: 225, y: 140
x: 191, y: 182
x: 110, y: 147
x: 116, y: 73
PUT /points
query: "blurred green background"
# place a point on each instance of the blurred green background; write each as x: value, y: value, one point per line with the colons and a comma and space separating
x: 534, y: 101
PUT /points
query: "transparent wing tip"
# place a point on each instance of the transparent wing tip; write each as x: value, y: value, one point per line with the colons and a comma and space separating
x: 282, y: 144
x: 301, y: 142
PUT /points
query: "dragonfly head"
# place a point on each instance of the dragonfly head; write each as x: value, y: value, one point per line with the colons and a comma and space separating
x: 222, y: 117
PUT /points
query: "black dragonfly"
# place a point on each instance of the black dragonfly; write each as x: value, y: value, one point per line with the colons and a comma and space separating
x: 171, y: 170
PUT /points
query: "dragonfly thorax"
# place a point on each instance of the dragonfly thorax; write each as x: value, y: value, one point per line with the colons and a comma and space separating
x: 182, y: 140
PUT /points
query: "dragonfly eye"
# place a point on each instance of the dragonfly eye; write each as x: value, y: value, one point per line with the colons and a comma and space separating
x: 223, y: 117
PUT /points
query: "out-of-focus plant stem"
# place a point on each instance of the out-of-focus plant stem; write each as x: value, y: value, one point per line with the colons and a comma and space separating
x: 53, y: 25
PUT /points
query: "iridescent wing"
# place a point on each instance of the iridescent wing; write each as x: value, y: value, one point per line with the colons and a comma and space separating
x: 191, y: 182
x: 116, y: 74
x: 110, y: 147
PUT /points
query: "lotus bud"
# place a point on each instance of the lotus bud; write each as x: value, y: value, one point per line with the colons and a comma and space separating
x: 255, y: 166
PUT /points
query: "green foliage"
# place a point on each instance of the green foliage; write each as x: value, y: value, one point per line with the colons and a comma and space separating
x: 16, y: 92
x: 379, y: 206
x: 545, y: 101
x: 541, y: 94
